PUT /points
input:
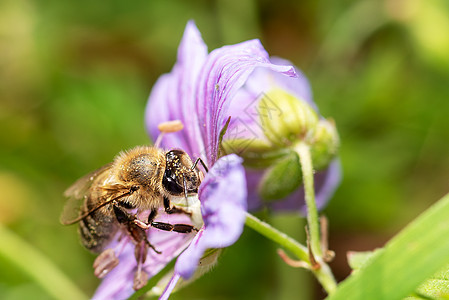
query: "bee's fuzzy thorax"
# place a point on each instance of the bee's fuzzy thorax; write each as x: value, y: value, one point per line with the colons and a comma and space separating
x: 144, y: 167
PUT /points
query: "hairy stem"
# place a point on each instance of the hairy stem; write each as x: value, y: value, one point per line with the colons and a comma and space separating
x: 323, y: 273
x: 305, y: 158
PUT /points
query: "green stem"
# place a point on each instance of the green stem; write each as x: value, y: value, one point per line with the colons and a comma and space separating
x: 279, y: 237
x: 305, y: 158
x: 37, y: 266
x: 326, y: 278
x: 323, y: 274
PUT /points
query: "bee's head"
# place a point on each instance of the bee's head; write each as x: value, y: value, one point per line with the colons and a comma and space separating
x: 179, y: 178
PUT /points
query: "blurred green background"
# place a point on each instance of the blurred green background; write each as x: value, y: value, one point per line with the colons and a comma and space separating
x: 74, y: 81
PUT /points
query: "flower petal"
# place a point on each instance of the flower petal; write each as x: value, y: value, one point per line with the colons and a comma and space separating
x: 169, y: 288
x: 172, y: 97
x: 162, y: 107
x: 225, y: 71
x: 244, y: 108
x: 299, y: 86
x: 223, y: 197
x: 327, y: 183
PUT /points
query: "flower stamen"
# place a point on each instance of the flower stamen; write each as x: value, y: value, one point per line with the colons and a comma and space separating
x: 105, y: 262
x: 140, y: 277
x: 167, y: 127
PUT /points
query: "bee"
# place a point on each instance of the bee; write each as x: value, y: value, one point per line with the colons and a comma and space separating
x: 110, y: 199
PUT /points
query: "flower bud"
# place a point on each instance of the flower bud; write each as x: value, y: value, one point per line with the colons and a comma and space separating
x: 294, y: 121
x: 256, y: 153
x: 324, y: 144
x: 281, y: 179
x: 283, y: 122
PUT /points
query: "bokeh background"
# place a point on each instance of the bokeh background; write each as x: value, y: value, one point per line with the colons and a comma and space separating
x: 74, y: 81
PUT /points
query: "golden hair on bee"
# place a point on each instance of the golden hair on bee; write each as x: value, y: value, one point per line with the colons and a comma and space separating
x: 143, y: 167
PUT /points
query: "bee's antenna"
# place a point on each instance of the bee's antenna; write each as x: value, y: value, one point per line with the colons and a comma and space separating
x: 167, y: 127
x: 199, y: 160
x: 185, y: 189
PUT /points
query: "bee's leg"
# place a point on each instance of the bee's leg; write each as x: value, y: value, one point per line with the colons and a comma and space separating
x: 144, y: 225
x: 140, y: 277
x: 136, y: 228
x: 174, y: 209
x: 152, y: 215
x: 181, y: 228
x: 122, y: 215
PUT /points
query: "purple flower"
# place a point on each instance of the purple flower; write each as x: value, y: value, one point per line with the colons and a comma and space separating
x: 203, y: 90
x: 222, y: 193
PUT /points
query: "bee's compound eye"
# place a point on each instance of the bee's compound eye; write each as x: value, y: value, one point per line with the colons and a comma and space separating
x: 170, y: 184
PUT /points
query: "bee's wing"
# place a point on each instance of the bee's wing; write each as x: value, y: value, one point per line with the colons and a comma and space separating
x: 77, y: 195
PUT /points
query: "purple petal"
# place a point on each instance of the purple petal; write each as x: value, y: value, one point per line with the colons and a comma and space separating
x: 225, y: 71
x: 173, y: 95
x: 162, y: 107
x: 327, y: 183
x: 298, y: 86
x: 188, y: 260
x: 223, y: 198
x: 169, y: 288
x: 244, y: 108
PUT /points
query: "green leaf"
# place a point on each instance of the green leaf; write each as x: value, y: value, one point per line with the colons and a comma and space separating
x: 282, y: 179
x: 407, y: 260
x: 358, y: 260
x: 436, y: 287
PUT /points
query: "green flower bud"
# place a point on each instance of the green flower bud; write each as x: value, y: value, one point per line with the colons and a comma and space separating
x: 324, y: 144
x: 256, y: 153
x: 295, y: 120
x: 282, y: 179
x: 285, y: 121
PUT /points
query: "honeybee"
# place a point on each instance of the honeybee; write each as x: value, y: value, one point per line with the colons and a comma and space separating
x: 110, y: 199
